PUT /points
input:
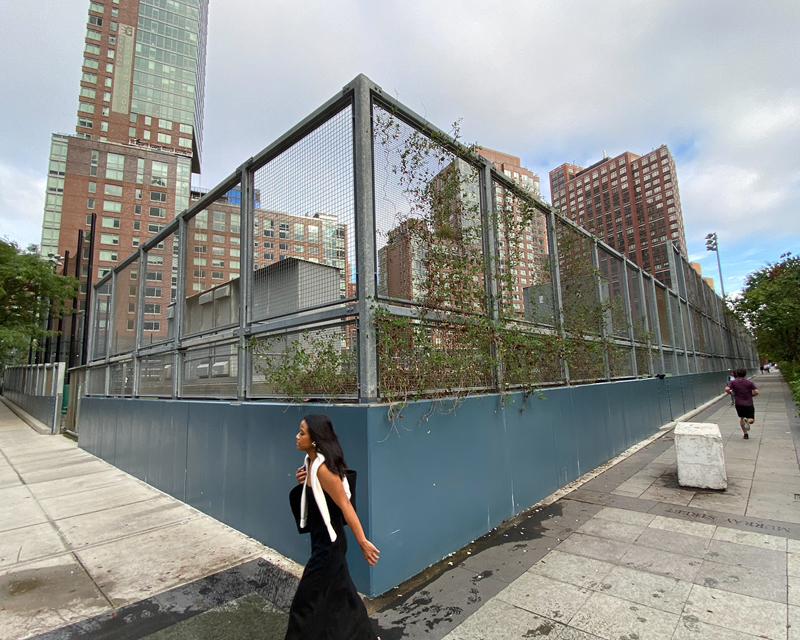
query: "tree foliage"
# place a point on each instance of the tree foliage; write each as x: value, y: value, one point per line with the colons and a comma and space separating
x: 770, y: 306
x: 28, y: 288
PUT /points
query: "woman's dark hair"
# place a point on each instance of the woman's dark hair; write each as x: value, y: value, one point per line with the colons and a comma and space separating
x: 321, y: 431
x: 741, y: 373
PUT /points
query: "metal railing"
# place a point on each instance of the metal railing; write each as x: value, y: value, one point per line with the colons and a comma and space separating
x: 270, y: 284
x: 38, y: 390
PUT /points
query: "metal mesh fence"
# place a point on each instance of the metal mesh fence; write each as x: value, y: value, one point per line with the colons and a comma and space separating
x: 366, y: 254
x: 317, y: 362
x: 212, y: 266
x: 428, y: 224
x: 123, y: 326
x: 211, y: 372
x: 526, y: 286
x: 120, y: 380
x: 304, y: 223
x: 102, y: 320
x: 155, y: 375
x: 611, y: 283
x: 429, y: 356
x: 160, y: 292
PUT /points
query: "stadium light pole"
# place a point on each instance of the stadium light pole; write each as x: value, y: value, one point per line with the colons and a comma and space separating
x: 712, y: 244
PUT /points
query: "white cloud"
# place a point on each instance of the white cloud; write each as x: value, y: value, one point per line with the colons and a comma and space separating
x: 21, y: 205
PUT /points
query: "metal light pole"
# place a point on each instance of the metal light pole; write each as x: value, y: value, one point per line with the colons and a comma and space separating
x: 713, y: 245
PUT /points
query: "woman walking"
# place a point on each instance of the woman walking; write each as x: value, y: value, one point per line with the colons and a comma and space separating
x: 327, y: 605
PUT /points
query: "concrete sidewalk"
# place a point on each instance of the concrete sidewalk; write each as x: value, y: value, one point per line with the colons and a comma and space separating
x: 87, y: 551
x: 631, y: 555
x: 81, y: 539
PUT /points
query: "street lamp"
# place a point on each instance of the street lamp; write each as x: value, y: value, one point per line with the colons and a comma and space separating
x: 713, y: 245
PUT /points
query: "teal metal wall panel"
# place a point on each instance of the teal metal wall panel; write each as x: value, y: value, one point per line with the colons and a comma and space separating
x: 429, y: 482
x: 440, y: 478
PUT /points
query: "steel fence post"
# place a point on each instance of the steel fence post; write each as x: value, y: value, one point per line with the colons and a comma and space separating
x: 598, y: 289
x: 246, y: 217
x: 365, y: 239
x: 142, y: 280
x: 626, y: 297
x: 555, y: 278
x: 490, y: 263
x: 180, y: 307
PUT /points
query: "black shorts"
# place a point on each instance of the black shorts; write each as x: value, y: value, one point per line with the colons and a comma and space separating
x: 743, y: 411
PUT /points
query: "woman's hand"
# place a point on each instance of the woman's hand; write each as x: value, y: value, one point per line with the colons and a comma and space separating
x: 300, y: 474
x: 370, y: 552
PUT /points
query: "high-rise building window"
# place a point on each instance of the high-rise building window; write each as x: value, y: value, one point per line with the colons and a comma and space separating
x: 115, y: 166
x: 159, y: 174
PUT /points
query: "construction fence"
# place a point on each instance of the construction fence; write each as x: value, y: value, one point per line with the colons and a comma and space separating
x: 368, y: 256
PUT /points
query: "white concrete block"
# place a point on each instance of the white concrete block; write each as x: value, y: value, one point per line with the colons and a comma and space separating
x: 701, y: 461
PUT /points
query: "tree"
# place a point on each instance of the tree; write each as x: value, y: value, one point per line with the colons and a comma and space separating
x: 29, y: 288
x: 770, y: 306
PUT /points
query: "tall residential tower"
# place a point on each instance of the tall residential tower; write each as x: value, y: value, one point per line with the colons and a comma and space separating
x: 631, y: 202
x: 138, y: 135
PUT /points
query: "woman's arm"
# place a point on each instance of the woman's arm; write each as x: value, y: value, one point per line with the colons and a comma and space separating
x: 332, y: 485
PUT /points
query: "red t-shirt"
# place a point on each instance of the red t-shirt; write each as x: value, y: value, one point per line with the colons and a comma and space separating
x: 742, y: 391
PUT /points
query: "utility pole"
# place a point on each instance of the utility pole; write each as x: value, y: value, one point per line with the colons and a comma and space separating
x: 713, y: 245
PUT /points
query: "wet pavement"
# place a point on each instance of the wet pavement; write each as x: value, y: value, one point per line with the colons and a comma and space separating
x: 628, y: 554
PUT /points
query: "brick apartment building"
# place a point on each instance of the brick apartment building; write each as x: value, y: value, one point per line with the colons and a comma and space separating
x: 138, y: 134
x: 631, y: 202
x: 402, y: 269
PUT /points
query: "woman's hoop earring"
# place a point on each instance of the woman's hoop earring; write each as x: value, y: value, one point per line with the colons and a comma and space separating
x: 314, y: 444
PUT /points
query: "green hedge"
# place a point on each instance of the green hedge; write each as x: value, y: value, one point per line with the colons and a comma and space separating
x: 791, y: 373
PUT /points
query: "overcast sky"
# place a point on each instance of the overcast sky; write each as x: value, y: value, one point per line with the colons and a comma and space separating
x: 551, y: 82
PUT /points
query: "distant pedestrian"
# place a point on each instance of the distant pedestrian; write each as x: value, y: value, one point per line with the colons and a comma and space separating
x: 743, y: 392
x: 762, y: 369
x: 766, y: 367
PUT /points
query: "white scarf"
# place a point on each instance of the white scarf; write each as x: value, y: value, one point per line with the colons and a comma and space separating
x: 319, y: 495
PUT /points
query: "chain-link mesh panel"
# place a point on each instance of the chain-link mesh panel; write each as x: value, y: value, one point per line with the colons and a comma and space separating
x: 638, y: 305
x: 530, y: 358
x: 315, y: 362
x: 120, y: 381
x: 123, y: 337
x: 211, y: 372
x: 643, y: 367
x: 419, y: 358
x: 698, y: 330
x: 677, y: 324
x: 583, y: 310
x: 687, y: 330
x: 96, y: 382
x: 620, y: 361
x: 683, y: 364
x: 585, y: 360
x: 611, y: 287
x: 669, y: 362
x: 525, y: 285
x: 429, y: 234
x: 213, y: 265
x: 160, y: 291
x: 663, y: 317
x: 155, y: 375
x: 102, y: 320
x: 304, y: 227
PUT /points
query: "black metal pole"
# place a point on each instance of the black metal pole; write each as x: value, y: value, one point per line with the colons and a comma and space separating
x: 87, y: 306
x: 61, y: 314
x: 73, y: 324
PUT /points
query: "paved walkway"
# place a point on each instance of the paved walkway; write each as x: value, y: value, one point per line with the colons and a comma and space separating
x: 87, y: 551
x: 631, y: 555
x: 81, y: 539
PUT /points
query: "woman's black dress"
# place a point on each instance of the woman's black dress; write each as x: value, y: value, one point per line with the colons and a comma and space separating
x: 327, y: 605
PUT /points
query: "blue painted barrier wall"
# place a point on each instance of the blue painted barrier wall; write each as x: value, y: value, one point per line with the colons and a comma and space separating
x: 429, y: 482
x: 40, y: 407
